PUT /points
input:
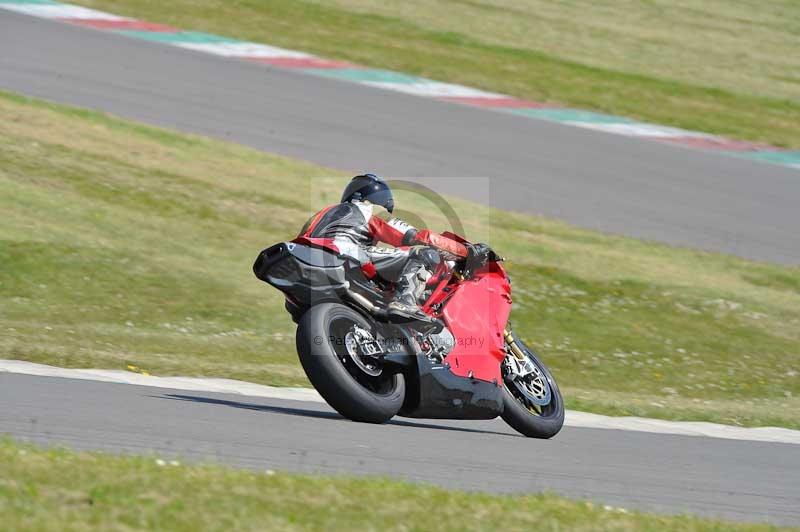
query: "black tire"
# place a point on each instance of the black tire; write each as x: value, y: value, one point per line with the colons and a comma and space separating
x: 295, y: 311
x: 352, y: 393
x: 544, y: 424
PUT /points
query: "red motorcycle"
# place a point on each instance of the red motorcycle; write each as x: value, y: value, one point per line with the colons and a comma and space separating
x: 461, y: 362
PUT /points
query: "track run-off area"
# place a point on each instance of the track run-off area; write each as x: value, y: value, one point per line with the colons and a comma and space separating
x: 395, y: 81
x: 608, y: 182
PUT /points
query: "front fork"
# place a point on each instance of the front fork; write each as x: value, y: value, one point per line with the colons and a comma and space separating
x: 520, y: 365
x: 512, y: 344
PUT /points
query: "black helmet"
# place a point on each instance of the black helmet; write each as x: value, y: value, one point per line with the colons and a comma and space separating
x: 371, y: 188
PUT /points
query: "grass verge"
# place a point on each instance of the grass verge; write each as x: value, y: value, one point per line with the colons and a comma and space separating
x: 64, y: 490
x: 708, y: 66
x: 124, y: 244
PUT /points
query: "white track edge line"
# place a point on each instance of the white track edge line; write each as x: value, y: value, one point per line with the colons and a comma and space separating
x: 573, y: 418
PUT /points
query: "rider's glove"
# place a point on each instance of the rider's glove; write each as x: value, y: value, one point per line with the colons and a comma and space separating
x: 477, y: 257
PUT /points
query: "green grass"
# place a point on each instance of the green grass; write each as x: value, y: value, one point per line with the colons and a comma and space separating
x: 723, y: 67
x: 63, y: 490
x: 124, y: 244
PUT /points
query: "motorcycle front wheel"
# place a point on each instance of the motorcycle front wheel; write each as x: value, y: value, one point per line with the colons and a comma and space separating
x: 330, y: 343
x: 532, y: 404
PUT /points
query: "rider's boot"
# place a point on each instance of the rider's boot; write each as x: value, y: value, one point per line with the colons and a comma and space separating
x: 410, y: 286
x: 406, y: 308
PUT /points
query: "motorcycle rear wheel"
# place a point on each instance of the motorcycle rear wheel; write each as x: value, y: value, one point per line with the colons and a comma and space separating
x: 527, y: 418
x: 340, y: 379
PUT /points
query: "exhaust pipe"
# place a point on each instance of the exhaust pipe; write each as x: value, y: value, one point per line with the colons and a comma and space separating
x: 365, y: 303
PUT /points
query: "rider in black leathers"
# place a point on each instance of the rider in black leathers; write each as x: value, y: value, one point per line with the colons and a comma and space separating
x: 355, y: 231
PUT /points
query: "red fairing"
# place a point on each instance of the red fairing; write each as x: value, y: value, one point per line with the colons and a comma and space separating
x: 476, y: 314
x: 440, y: 282
x: 453, y: 236
x: 440, y: 242
x: 324, y: 243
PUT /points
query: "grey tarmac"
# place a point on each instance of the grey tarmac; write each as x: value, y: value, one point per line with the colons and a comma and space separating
x: 738, y: 480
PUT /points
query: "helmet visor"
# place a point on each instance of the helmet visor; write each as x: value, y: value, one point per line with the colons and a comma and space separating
x: 381, y: 197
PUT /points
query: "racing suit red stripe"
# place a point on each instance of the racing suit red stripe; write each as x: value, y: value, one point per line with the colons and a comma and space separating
x: 310, y: 225
x: 383, y: 232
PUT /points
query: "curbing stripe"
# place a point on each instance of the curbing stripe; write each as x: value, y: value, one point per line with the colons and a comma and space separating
x: 177, y: 38
x: 434, y: 89
x: 396, y: 81
x: 248, y: 50
x: 572, y: 115
x: 638, y: 129
x: 106, y: 24
x: 788, y: 157
x: 313, y: 64
x: 573, y: 418
x: 714, y: 143
x: 367, y: 75
x: 59, y: 11
x: 497, y: 102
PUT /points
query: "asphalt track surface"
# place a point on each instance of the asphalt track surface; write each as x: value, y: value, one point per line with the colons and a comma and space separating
x: 738, y: 480
x: 593, y: 179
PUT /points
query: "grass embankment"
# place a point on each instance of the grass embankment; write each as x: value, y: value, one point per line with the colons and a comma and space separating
x: 124, y: 244
x: 64, y: 490
x: 715, y: 66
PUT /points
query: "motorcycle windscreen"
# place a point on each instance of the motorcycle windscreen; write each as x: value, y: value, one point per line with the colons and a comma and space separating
x: 477, y: 314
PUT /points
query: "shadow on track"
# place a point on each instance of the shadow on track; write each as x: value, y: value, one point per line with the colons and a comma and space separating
x: 313, y: 413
